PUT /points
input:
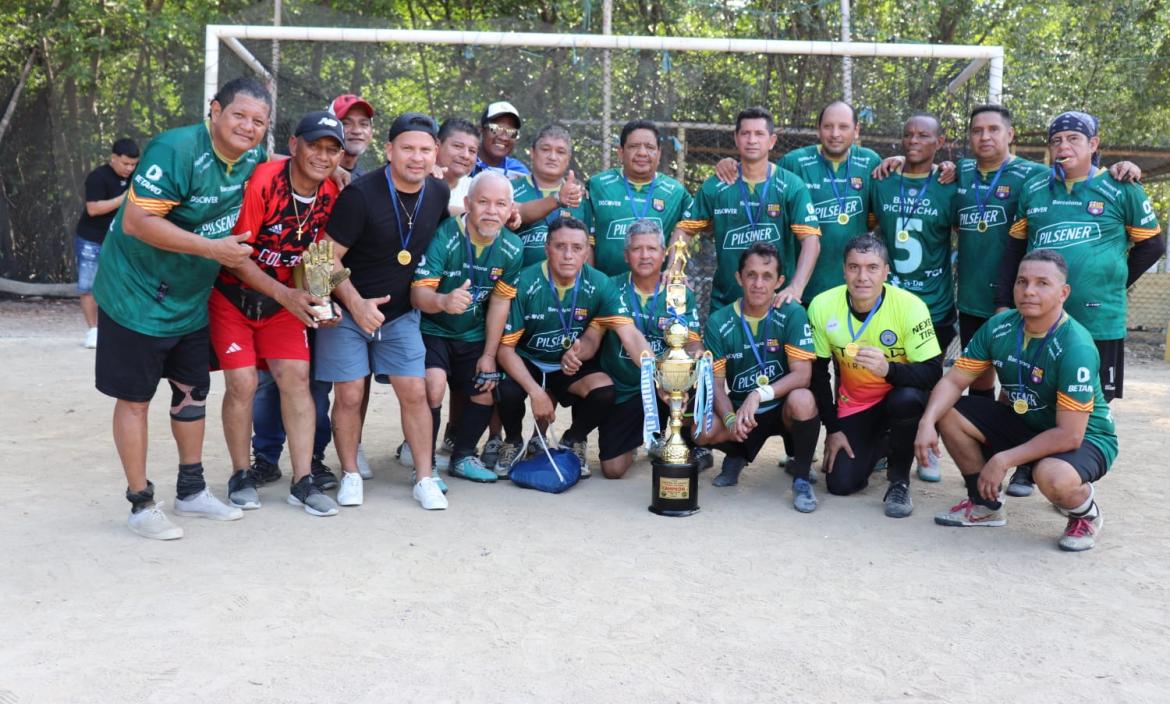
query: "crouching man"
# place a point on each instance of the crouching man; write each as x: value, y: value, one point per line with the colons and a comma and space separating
x: 1054, y: 416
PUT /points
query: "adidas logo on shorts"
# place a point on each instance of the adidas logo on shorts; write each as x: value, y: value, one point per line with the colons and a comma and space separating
x: 232, y: 348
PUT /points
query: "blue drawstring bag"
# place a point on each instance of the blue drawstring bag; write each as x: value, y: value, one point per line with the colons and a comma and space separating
x: 554, y: 471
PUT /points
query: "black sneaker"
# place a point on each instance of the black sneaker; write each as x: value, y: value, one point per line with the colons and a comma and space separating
x: 263, y: 472
x: 729, y: 475
x: 898, y: 501
x: 307, y: 495
x: 703, y: 456
x: 1021, y: 483
x: 323, y: 477
x: 242, y: 490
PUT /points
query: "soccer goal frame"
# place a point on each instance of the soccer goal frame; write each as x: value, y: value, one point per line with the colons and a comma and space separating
x: 230, y: 35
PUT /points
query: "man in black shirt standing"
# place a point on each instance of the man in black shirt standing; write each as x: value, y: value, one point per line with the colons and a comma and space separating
x: 381, y: 228
x: 105, y: 189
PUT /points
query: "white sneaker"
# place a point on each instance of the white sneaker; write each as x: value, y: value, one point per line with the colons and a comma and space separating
x: 350, y: 493
x: 205, y: 505
x: 428, y: 494
x: 363, y: 464
x: 91, y: 339
x: 153, y: 523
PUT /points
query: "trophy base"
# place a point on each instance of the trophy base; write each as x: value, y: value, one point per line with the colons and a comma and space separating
x: 323, y: 313
x: 674, y: 488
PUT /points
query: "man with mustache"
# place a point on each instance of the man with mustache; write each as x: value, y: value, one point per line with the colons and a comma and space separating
x: 258, y: 314
x: 464, y: 289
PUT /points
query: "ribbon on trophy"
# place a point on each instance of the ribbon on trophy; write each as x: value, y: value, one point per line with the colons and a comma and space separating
x: 649, y: 401
x: 705, y: 394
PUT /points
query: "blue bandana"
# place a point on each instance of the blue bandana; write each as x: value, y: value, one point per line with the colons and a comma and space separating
x: 1074, y: 121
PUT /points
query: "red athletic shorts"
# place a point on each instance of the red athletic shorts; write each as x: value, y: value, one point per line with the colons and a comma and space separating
x: 239, y: 342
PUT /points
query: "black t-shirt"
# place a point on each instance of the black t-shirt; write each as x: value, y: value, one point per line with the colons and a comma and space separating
x: 363, y: 221
x: 101, y: 184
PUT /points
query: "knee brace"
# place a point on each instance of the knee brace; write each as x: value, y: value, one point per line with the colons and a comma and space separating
x: 188, y: 403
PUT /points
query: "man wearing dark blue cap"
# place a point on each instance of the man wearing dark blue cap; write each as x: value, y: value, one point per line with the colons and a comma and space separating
x: 381, y: 228
x: 1080, y: 209
x: 258, y: 312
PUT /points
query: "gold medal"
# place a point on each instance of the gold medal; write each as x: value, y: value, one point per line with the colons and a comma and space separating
x: 842, y: 219
x: 903, y: 235
x: 852, y: 349
x: 566, y: 343
x: 982, y: 226
x: 762, y: 380
x: 403, y: 257
x: 1020, y: 406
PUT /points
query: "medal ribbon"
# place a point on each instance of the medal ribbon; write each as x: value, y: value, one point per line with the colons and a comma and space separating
x: 634, y: 298
x: 839, y: 197
x: 649, y: 196
x: 566, y: 324
x: 1036, y: 356
x: 405, y: 236
x: 747, y: 330
x: 981, y: 203
x: 913, y: 203
x: 849, y: 317
x: 753, y: 215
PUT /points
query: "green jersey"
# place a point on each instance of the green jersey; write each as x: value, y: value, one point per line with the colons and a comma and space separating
x: 990, y: 197
x: 1091, y: 224
x: 780, y: 337
x: 453, y: 258
x: 915, y: 214
x: 545, y: 319
x: 182, y: 179
x: 1059, y: 374
x: 534, y: 234
x: 835, y: 188
x: 650, y: 314
x: 777, y: 210
x: 615, y: 203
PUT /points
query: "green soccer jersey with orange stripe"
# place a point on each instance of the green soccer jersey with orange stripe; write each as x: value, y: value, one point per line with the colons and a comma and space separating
x: 1091, y: 223
x: 1060, y: 375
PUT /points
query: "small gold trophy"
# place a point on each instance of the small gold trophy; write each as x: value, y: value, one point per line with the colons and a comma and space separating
x: 315, y: 274
x: 675, y: 475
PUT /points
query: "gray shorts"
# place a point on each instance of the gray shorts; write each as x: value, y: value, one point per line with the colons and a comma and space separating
x: 347, y: 353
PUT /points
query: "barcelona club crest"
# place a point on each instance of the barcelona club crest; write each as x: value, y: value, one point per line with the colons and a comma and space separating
x: 855, y: 183
x: 1003, y: 192
x: 581, y: 314
x: 773, y: 345
x: 773, y: 210
x: 497, y: 272
x: 658, y: 204
x: 1096, y: 207
x: 1037, y: 375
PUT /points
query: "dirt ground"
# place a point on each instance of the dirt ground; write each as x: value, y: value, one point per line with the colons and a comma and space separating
x: 517, y: 596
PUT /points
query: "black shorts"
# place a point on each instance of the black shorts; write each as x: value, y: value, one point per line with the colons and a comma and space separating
x: 1112, y: 354
x: 968, y: 326
x: 456, y: 357
x: 944, y: 330
x: 557, y: 383
x: 1003, y: 430
x: 768, y: 424
x: 621, y: 431
x: 130, y: 364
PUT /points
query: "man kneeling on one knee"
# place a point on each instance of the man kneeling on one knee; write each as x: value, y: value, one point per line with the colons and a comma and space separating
x: 1054, y: 416
x: 763, y: 363
x: 887, y: 359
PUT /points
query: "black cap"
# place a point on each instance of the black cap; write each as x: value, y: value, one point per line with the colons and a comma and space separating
x: 315, y: 125
x: 412, y: 122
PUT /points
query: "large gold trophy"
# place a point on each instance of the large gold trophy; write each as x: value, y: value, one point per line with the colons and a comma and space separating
x: 675, y: 474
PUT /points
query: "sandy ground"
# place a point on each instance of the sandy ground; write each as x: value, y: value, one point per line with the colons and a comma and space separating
x: 516, y: 596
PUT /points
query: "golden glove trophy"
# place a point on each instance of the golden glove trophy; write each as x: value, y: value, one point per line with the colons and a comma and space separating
x: 674, y: 473
x: 315, y: 274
